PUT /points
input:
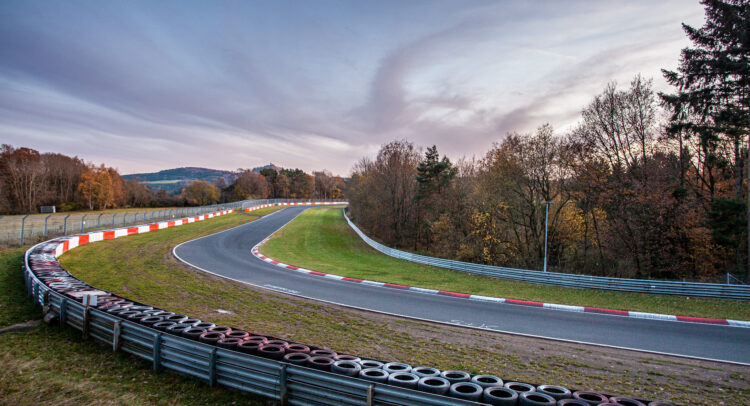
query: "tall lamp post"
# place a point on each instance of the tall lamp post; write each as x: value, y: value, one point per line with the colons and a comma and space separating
x: 546, y: 219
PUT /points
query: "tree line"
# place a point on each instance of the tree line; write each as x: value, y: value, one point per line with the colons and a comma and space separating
x: 266, y: 184
x: 30, y: 179
x: 646, y: 185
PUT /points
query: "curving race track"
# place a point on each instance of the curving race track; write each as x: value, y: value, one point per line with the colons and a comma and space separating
x: 228, y: 254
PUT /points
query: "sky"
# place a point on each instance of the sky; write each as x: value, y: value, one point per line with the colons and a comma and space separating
x: 144, y: 85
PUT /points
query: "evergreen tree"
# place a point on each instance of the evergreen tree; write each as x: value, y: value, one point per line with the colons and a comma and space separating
x: 713, y: 81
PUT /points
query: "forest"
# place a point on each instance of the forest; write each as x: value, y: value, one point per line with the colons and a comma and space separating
x: 647, y: 184
x: 30, y: 179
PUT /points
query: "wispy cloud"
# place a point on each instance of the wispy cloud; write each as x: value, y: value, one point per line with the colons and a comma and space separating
x: 146, y: 86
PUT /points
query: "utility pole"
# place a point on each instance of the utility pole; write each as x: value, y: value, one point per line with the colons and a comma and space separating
x: 546, y: 220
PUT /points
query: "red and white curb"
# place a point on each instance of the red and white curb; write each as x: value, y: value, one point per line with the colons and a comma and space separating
x: 553, y: 306
x: 262, y: 206
x: 68, y: 243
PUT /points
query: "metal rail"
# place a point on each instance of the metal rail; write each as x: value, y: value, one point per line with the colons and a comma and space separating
x: 289, y: 384
x: 661, y: 287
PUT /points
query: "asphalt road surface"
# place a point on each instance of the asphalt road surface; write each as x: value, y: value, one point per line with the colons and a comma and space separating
x: 228, y: 254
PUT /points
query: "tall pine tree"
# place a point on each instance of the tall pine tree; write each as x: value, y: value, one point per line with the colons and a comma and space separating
x: 713, y: 81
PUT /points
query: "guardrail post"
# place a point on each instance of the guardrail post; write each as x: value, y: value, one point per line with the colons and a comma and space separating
x: 371, y: 395
x: 23, y: 224
x: 85, y: 322
x: 83, y: 221
x: 65, y: 225
x: 116, y: 336
x: 45, y: 225
x: 283, y: 396
x: 63, y: 311
x: 99, y: 221
x: 113, y: 220
x: 45, y: 302
x: 212, y: 368
x: 157, y: 351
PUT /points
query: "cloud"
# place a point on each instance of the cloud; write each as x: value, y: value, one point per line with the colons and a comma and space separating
x: 151, y: 86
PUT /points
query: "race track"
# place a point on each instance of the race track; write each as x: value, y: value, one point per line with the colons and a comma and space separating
x: 228, y: 254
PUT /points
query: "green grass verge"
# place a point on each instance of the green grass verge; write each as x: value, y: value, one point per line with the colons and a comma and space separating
x: 320, y: 239
x: 142, y: 268
x: 55, y: 365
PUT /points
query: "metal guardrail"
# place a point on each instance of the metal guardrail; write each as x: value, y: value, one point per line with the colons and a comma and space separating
x: 661, y: 287
x: 20, y: 230
x: 290, y: 384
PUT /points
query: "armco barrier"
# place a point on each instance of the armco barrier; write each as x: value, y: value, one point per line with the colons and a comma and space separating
x: 66, y: 298
x: 564, y: 279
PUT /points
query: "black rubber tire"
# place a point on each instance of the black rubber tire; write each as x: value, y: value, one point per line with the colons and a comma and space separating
x: 536, y: 399
x: 178, y: 328
x: 347, y: 357
x: 151, y: 320
x: 136, y: 317
x: 425, y: 371
x: 190, y: 321
x: 204, y: 325
x: 164, y: 325
x: 346, y: 367
x: 298, y: 348
x: 500, y: 396
x: 229, y: 343
x: 297, y: 358
x: 456, y: 376
x: 249, y: 347
x: 160, y: 313
x: 320, y: 362
x: 571, y: 402
x: 177, y: 318
x: 220, y: 329
x: 125, y: 313
x: 257, y: 339
x: 114, y: 309
x: 210, y: 337
x: 656, y: 403
x: 520, y: 387
x: 394, y: 367
x: 466, y: 390
x: 272, y: 351
x: 237, y: 334
x: 370, y: 364
x: 557, y: 392
x: 374, y: 375
x: 282, y: 343
x: 193, y: 333
x: 592, y: 398
x: 141, y: 308
x: 324, y: 353
x: 626, y: 401
x: 402, y: 379
x: 487, y: 381
x: 434, y: 384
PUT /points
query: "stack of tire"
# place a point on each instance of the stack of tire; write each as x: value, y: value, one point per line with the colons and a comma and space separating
x: 458, y: 384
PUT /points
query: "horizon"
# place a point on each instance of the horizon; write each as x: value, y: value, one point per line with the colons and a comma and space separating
x: 142, y: 88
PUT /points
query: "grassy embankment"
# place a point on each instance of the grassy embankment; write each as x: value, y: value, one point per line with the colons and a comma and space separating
x: 49, y: 364
x: 320, y: 239
x: 142, y: 268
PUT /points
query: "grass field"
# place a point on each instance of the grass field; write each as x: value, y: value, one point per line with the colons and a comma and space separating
x: 320, y: 239
x: 54, y: 365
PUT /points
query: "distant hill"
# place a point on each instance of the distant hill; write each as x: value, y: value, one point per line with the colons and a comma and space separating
x: 173, y: 180
x: 269, y: 166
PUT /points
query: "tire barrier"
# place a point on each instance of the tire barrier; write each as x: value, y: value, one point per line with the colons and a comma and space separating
x: 259, y: 363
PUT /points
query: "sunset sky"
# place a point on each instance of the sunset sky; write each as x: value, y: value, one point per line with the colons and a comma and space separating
x: 150, y: 85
